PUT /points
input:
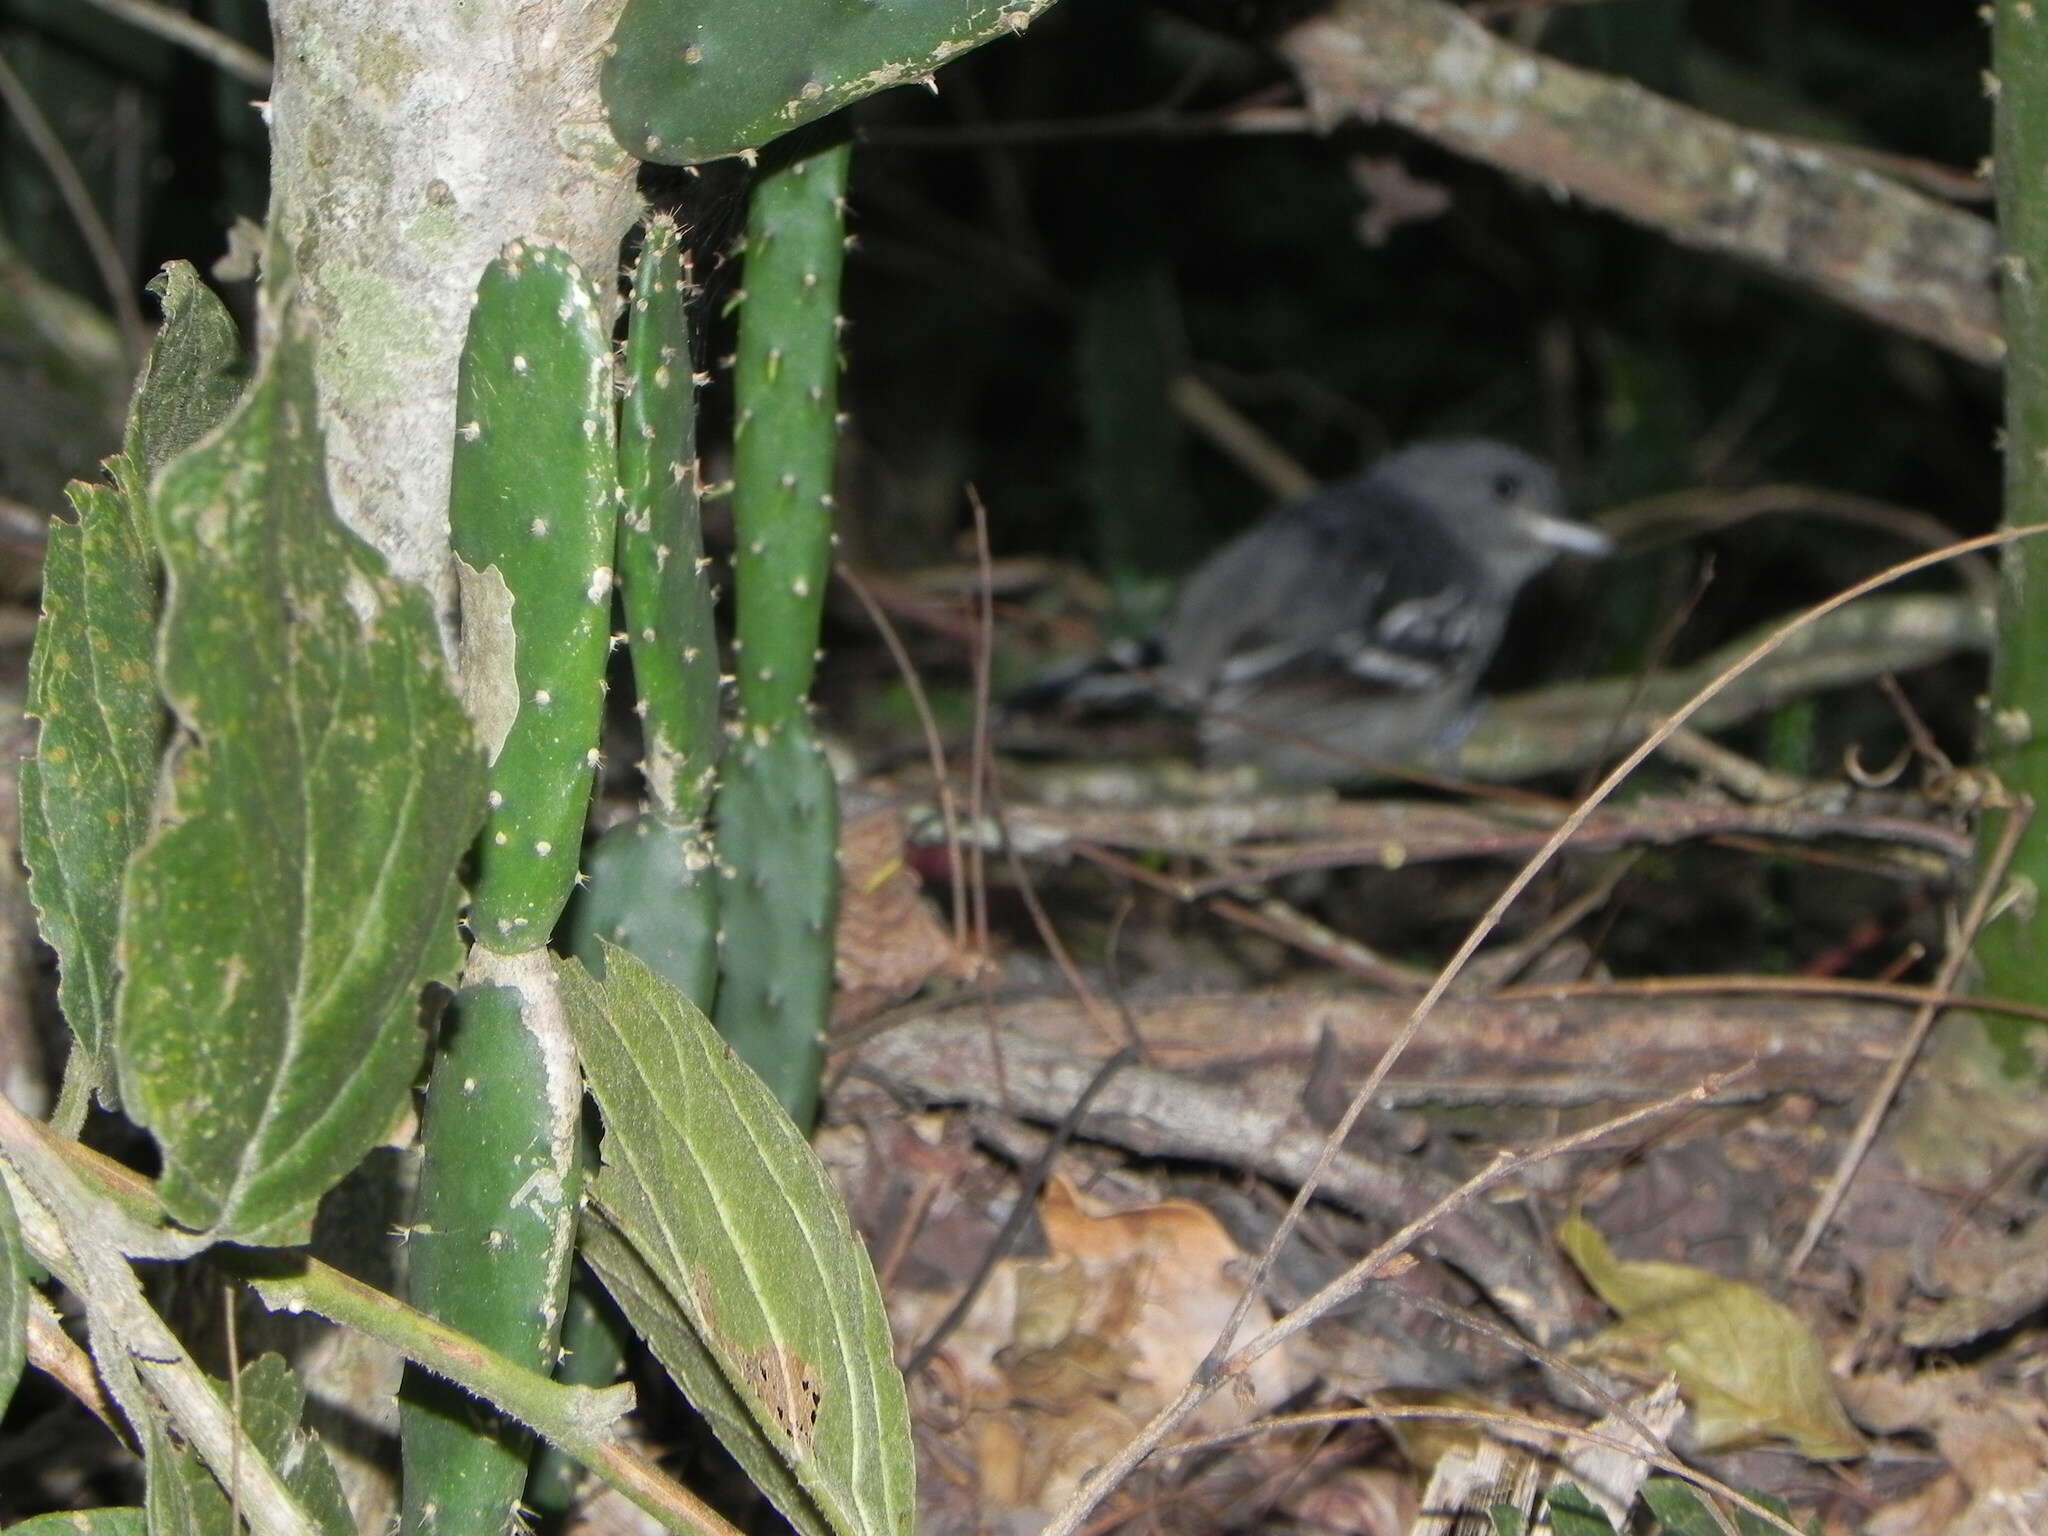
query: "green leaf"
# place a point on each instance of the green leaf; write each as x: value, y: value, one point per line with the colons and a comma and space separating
x: 1749, y: 1367
x: 184, y: 1499
x: 657, y: 1318
x: 1507, y: 1520
x: 14, y: 1273
x: 692, y: 80
x: 1678, y: 1507
x: 1571, y: 1513
x: 87, y: 793
x: 192, y: 377
x: 278, y: 929
x: 1682, y: 1512
x: 125, y: 1520
x: 735, y: 1221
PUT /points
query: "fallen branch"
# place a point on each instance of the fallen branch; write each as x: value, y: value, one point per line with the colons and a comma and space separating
x: 1533, y: 1050
x: 1573, y: 724
x: 1854, y: 236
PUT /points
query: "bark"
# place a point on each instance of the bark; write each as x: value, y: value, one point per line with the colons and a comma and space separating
x: 410, y: 140
x: 1859, y: 238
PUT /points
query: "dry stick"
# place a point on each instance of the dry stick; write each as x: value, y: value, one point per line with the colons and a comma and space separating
x: 934, y: 746
x: 217, y: 48
x: 1485, y: 1419
x: 1696, y: 511
x: 1020, y: 1212
x: 92, y: 229
x: 1653, y: 1443
x: 1234, y: 435
x: 1049, y: 936
x: 1891, y: 253
x: 978, y: 767
x: 1909, y: 1048
x: 1092, y: 1491
x: 1795, y: 986
x: 1211, y: 1372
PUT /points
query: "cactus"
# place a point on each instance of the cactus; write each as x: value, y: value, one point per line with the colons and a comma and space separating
x: 652, y: 888
x: 2011, y: 948
x: 777, y: 810
x: 535, y: 494
x: 492, y: 1232
x: 661, y: 548
x: 534, y: 512
x: 691, y: 80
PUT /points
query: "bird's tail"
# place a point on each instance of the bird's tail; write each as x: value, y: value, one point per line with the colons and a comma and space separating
x: 1123, y: 680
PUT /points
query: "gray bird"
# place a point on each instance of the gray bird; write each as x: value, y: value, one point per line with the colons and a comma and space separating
x: 1349, y: 629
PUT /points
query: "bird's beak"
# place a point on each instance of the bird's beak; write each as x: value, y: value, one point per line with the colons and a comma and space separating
x: 1564, y: 535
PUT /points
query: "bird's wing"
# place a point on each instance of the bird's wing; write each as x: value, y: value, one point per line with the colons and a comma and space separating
x: 1356, y: 582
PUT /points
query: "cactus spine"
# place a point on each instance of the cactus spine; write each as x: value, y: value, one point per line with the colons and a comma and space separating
x: 652, y: 886
x: 533, y: 509
x: 535, y: 494
x: 777, y: 806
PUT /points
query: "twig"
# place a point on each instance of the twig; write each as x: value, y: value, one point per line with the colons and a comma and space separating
x: 1238, y: 439
x: 1092, y: 1492
x: 1864, y: 241
x: 1513, y: 1424
x: 1295, y: 928
x: 1988, y: 889
x: 1702, y: 509
x: 92, y: 229
x: 1731, y: 770
x: 217, y: 48
x: 1021, y: 1211
x: 1152, y: 123
x: 935, y: 748
x: 978, y: 763
x: 1217, y: 1366
x: 1791, y: 986
x: 1049, y: 936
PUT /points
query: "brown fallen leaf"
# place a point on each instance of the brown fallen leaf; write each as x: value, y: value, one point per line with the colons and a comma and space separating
x: 890, y: 942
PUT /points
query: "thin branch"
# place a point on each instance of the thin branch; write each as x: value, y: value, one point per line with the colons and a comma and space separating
x: 1216, y: 1368
x: 1858, y: 238
x: 1097, y: 1486
x: 118, y: 1211
x: 1023, y: 1206
x: 92, y: 229
x: 217, y: 48
x: 935, y: 748
x: 1989, y: 888
x: 1774, y: 986
x: 1511, y: 1423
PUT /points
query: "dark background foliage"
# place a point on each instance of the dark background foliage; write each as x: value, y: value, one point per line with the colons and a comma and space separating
x: 1077, y: 219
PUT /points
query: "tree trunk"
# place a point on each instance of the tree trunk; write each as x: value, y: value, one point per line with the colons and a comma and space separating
x: 410, y: 140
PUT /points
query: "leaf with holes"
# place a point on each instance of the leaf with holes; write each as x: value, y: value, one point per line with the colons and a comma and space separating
x: 184, y: 1497
x: 278, y: 927
x: 656, y: 1317
x: 192, y: 377
x: 731, y: 1215
x: 86, y: 795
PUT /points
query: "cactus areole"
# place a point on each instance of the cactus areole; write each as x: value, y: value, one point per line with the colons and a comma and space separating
x: 694, y: 80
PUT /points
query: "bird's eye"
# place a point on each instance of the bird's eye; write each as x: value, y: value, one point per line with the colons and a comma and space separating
x: 1507, y: 486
